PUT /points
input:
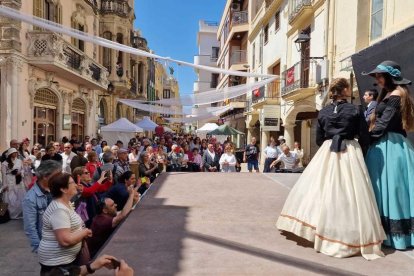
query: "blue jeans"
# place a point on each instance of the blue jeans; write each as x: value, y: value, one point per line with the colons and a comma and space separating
x: 253, y: 163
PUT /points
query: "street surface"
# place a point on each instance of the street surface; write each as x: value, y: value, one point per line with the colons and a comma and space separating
x: 210, y: 224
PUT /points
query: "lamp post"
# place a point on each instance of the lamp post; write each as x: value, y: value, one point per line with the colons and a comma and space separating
x: 303, y: 38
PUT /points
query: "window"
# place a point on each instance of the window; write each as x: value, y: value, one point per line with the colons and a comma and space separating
x: 254, y: 56
x: 277, y: 21
x: 78, y: 118
x: 107, y: 56
x: 377, y: 9
x: 266, y: 33
x: 215, y: 53
x: 80, y: 44
x: 47, y: 9
x: 261, y: 49
x: 214, y: 80
x: 166, y: 94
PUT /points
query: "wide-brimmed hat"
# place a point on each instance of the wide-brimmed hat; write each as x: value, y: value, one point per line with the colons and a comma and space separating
x: 10, y: 151
x: 391, y: 68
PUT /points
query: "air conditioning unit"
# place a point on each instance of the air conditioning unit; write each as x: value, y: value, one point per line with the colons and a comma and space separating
x: 235, y: 7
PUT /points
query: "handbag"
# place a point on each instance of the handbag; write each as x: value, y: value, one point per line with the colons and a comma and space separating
x: 82, y: 211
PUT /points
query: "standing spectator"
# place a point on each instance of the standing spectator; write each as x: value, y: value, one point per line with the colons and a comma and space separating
x: 96, y: 147
x: 119, y: 192
x: 133, y: 155
x: 282, y: 141
x: 79, y: 160
x: 88, y: 149
x: 89, y: 190
x: 299, y: 153
x: 107, y: 220
x: 67, y: 157
x: 36, y: 201
x: 122, y: 164
x: 211, y: 159
x: 175, y: 158
x: 93, y: 163
x: 370, y: 98
x: 51, y: 154
x: 228, y: 159
x: 147, y: 168
x: 37, y: 157
x: 13, y: 144
x: 73, y: 140
x: 114, y: 150
x: 86, y: 141
x: 104, y: 144
x: 271, y: 153
x: 63, y: 231
x: 251, y: 155
x: 119, y: 144
x: 56, y: 145
x: 12, y: 175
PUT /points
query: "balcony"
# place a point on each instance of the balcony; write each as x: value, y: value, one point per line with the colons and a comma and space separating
x: 205, y: 60
x: 299, y: 9
x: 239, y: 24
x: 238, y: 102
x: 296, y: 83
x: 238, y: 59
x: 240, y: 17
x: 120, y: 8
x: 266, y: 95
x: 49, y: 51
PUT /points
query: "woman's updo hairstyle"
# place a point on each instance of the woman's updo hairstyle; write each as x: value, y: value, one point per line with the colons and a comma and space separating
x: 337, y: 87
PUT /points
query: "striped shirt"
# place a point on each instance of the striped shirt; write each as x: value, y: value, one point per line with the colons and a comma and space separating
x: 58, y: 216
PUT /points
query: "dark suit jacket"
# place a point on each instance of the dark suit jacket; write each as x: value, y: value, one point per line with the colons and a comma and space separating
x: 370, y: 110
x: 209, y: 162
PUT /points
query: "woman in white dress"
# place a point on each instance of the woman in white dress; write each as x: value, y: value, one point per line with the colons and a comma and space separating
x: 333, y: 203
x: 228, y: 160
x: 12, y: 171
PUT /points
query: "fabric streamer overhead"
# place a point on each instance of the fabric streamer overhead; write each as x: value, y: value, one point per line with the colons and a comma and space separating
x: 55, y: 27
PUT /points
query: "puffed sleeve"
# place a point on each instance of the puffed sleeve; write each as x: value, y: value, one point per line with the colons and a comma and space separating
x: 383, y: 122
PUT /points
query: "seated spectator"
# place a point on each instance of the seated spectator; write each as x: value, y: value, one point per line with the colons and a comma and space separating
x: 93, y: 163
x: 89, y: 191
x: 36, y: 201
x: 175, y: 158
x: 289, y: 159
x: 197, y: 160
x: 62, y: 232
x: 107, y: 220
x: 119, y: 192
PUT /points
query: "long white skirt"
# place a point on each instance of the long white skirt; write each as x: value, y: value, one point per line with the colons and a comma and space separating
x: 333, y: 205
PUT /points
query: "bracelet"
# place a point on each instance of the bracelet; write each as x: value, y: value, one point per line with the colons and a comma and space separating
x: 89, y: 268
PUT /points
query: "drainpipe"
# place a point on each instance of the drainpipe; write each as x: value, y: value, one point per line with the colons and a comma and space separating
x: 330, y: 41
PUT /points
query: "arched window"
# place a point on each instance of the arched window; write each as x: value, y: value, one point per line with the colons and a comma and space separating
x: 118, y: 111
x: 78, y: 118
x: 107, y: 53
x: 44, y: 122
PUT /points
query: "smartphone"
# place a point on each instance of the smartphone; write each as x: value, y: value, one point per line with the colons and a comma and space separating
x: 115, y: 263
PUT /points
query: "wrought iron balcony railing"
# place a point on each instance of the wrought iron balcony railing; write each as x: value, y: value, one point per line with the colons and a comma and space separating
x: 294, y: 78
x: 240, y: 17
x: 296, y: 6
x: 50, y: 48
x: 118, y: 7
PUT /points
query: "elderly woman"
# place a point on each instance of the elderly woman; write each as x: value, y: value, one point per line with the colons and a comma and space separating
x: 175, y: 157
x: 228, y: 160
x: 12, y: 172
x: 63, y: 230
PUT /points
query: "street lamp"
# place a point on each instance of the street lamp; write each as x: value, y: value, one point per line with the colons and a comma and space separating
x: 304, y: 37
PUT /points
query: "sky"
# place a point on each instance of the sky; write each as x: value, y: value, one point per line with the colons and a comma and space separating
x: 171, y: 26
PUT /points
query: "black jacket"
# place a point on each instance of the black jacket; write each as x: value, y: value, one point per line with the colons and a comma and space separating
x: 388, y: 118
x: 342, y: 121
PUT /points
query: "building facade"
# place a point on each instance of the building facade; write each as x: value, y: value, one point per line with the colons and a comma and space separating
x: 232, y: 35
x: 53, y: 85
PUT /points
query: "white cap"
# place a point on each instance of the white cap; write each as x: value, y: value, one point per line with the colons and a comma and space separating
x: 10, y: 151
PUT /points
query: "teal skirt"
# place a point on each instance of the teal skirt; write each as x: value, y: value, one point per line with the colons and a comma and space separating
x: 390, y: 163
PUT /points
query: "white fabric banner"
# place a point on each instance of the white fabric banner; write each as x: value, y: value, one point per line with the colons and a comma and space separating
x: 55, y: 27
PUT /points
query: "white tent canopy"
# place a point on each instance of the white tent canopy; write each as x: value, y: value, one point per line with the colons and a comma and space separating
x: 208, y: 127
x: 167, y: 129
x: 146, y: 124
x: 121, y: 129
x: 202, y: 132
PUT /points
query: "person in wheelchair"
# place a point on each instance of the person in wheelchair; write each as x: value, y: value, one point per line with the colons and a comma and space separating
x: 289, y: 159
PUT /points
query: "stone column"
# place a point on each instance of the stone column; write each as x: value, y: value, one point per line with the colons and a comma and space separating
x: 264, y: 140
x: 289, y: 134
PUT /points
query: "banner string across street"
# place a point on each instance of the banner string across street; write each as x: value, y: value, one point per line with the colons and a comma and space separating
x: 207, y: 97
